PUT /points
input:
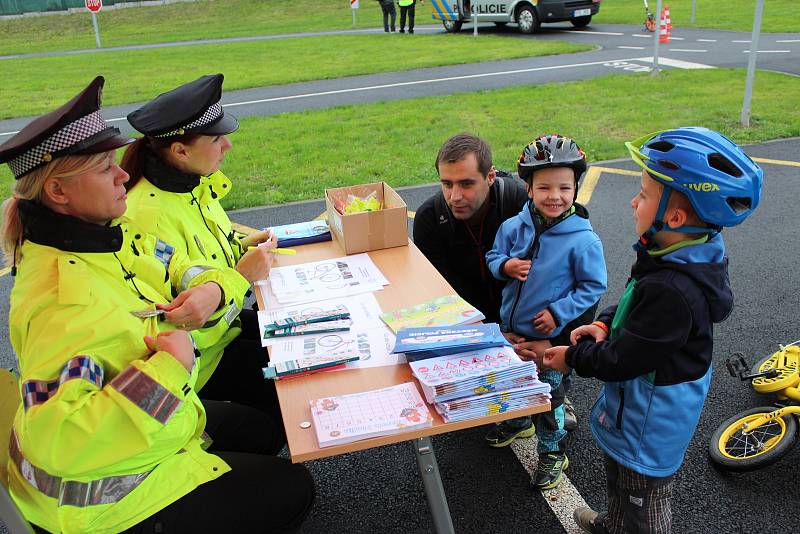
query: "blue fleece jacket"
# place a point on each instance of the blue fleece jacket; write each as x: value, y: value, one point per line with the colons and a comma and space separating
x: 567, y: 276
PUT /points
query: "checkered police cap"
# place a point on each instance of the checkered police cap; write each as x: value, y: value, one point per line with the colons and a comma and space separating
x: 77, y: 127
x: 191, y: 108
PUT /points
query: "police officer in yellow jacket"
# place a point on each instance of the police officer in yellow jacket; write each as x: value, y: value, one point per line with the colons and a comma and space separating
x: 110, y: 435
x: 175, y: 192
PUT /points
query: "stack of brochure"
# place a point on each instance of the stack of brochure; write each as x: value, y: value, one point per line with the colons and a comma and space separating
x: 429, y: 342
x: 478, y: 383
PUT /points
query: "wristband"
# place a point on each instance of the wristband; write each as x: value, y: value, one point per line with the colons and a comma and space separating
x: 601, y: 325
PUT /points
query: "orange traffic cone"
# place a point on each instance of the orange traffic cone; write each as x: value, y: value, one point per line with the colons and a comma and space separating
x: 663, y: 32
x: 668, y: 19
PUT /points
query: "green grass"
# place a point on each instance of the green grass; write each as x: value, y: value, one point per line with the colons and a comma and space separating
x: 779, y: 15
x: 296, y: 156
x: 205, y: 19
x: 139, y: 75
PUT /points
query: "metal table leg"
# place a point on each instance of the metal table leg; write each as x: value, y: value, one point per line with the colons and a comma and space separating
x: 434, y: 491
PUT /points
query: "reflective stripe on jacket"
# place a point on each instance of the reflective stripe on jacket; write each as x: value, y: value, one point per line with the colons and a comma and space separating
x: 107, y: 434
x: 197, y: 225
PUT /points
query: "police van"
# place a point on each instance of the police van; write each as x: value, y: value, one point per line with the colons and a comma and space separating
x: 527, y: 14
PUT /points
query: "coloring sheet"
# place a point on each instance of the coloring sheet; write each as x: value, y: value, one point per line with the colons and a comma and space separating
x: 373, y: 347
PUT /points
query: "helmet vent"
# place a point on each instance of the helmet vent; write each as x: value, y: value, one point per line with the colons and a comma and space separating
x: 723, y: 164
x: 667, y: 164
x: 739, y: 204
x: 661, y: 146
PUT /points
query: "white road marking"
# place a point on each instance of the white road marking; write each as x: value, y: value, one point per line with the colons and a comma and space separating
x: 707, y: 40
x: 770, y: 51
x: 676, y: 38
x: 564, y: 499
x: 677, y: 63
x: 748, y: 41
x: 400, y: 84
x: 632, y: 47
x: 686, y: 50
x: 788, y: 41
x: 642, y: 35
x: 592, y: 33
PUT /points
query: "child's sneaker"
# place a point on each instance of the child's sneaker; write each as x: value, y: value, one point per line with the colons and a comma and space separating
x: 550, y: 470
x: 589, y: 521
x: 504, y: 433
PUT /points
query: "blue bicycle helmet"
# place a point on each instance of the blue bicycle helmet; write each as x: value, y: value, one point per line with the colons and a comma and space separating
x: 722, y: 183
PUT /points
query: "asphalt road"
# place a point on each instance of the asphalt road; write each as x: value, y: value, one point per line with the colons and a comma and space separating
x: 620, y: 48
x: 380, y: 490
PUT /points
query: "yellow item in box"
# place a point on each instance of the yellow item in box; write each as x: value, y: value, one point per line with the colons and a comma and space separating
x: 368, y: 230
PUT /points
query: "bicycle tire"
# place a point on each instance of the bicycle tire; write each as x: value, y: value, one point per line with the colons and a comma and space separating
x: 732, y: 451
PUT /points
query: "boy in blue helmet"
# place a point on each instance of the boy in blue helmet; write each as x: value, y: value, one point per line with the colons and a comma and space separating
x: 555, y: 271
x: 653, y: 349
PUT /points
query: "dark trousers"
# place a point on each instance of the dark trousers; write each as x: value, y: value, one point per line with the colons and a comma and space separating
x: 637, y: 504
x: 262, y: 493
x: 238, y: 377
x: 410, y: 11
x: 388, y: 11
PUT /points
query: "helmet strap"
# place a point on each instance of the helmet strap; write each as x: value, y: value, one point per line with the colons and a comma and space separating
x: 647, y: 241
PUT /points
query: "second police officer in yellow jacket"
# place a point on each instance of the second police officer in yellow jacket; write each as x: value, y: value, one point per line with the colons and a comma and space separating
x: 111, y: 433
x: 175, y: 192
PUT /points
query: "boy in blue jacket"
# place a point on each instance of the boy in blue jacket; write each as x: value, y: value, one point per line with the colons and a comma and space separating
x: 556, y: 272
x: 653, y: 349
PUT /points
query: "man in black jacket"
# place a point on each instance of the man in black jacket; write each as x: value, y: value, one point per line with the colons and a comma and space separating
x: 456, y: 226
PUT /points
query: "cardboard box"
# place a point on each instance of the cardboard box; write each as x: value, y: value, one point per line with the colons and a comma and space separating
x: 372, y: 230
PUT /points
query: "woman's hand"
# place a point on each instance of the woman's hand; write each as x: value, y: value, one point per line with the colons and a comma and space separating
x: 257, y: 238
x: 517, y: 269
x: 175, y: 342
x: 256, y: 263
x: 590, y: 330
x: 192, y: 308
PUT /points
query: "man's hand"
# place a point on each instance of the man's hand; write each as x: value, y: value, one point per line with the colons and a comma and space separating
x: 175, y: 342
x: 192, y: 308
x: 589, y: 330
x: 544, y: 322
x: 555, y: 358
x: 517, y: 269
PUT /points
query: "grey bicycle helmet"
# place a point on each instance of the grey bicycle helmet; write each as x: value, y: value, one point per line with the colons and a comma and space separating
x: 551, y: 151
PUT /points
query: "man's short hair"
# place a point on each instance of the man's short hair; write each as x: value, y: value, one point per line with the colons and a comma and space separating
x: 460, y: 146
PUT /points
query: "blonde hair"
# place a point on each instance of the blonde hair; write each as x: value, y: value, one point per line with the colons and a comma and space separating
x: 31, y: 187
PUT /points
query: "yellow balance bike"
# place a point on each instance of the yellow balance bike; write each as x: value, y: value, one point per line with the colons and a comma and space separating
x: 761, y: 436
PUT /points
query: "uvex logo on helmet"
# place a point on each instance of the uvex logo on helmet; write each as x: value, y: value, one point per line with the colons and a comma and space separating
x: 703, y: 187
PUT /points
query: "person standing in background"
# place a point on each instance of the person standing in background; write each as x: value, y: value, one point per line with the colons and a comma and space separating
x: 407, y: 8
x: 387, y: 6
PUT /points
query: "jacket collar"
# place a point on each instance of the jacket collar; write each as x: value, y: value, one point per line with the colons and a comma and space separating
x: 166, y: 177
x: 65, y: 232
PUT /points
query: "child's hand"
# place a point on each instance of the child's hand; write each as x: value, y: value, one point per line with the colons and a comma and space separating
x: 555, y: 359
x: 589, y: 330
x: 517, y: 269
x: 544, y: 322
x: 513, y: 338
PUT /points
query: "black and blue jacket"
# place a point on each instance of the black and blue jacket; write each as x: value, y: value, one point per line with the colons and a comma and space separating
x: 657, y: 359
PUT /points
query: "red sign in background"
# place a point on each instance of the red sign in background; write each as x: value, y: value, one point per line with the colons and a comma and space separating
x: 93, y: 5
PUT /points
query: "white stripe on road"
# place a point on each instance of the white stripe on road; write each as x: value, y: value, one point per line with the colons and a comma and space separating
x: 686, y: 50
x: 788, y: 41
x: 592, y: 33
x: 632, y: 47
x: 741, y: 41
x: 677, y: 63
x: 564, y: 499
x: 707, y: 40
x: 769, y: 51
x: 676, y: 38
x: 642, y: 35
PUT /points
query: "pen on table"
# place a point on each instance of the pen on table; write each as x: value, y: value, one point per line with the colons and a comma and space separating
x: 279, y: 250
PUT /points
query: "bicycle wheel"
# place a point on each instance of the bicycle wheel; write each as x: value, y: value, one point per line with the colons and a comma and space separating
x: 734, y: 450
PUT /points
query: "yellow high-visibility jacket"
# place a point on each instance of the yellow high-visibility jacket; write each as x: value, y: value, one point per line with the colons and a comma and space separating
x: 107, y: 433
x: 195, y: 223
